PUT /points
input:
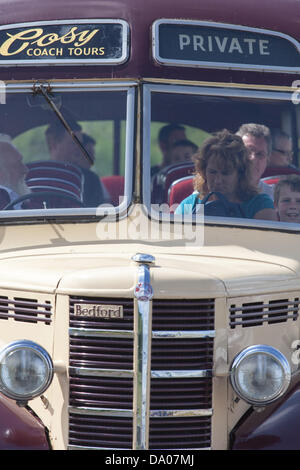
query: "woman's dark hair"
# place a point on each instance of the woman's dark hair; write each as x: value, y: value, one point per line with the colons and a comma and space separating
x: 231, y: 154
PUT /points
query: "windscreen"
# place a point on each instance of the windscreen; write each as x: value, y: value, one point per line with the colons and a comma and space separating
x: 225, y: 153
x: 63, y: 147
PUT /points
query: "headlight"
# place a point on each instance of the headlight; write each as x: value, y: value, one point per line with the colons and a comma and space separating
x: 260, y: 374
x: 26, y: 370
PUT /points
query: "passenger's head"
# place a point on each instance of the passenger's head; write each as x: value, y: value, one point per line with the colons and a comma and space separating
x: 181, y: 151
x: 222, y: 165
x: 62, y: 146
x: 257, y: 139
x: 281, y: 148
x: 167, y: 136
x: 287, y: 198
x: 12, y: 168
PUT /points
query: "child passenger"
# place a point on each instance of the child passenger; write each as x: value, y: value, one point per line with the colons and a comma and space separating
x: 287, y: 199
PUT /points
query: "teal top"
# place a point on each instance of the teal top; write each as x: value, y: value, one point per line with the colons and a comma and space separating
x: 250, y: 207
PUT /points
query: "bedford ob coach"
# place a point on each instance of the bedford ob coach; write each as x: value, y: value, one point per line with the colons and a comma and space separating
x: 124, y: 325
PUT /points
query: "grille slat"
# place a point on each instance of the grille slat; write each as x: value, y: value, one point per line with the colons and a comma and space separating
x: 101, y: 352
x: 191, y: 351
x: 173, y: 354
x: 180, y: 433
x: 85, y: 430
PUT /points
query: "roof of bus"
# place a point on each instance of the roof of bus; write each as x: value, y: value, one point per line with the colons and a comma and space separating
x: 276, y: 15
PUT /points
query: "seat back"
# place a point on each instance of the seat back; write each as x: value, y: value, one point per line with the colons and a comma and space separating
x: 271, y: 179
x: 180, y: 189
x: 114, y: 185
x: 59, y: 178
x: 280, y: 171
x: 164, y: 178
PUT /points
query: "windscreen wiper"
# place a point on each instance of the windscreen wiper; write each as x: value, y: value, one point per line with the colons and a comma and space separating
x: 45, y: 91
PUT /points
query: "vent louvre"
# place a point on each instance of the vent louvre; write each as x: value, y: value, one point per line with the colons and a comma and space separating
x: 259, y: 313
x: 25, y: 310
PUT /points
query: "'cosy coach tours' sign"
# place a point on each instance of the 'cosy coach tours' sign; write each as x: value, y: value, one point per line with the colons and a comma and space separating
x: 206, y: 44
x: 65, y: 42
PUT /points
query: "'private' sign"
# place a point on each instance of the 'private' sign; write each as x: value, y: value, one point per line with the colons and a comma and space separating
x: 205, y: 44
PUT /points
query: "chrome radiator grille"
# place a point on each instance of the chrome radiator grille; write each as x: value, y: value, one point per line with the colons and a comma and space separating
x: 101, y: 376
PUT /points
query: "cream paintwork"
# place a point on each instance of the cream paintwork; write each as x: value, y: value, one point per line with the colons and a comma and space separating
x: 50, y: 262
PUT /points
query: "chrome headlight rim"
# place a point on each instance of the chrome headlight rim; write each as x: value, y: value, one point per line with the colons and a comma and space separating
x: 42, y: 353
x: 267, y: 350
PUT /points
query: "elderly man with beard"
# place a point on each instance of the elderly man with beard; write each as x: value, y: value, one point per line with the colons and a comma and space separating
x: 12, y: 172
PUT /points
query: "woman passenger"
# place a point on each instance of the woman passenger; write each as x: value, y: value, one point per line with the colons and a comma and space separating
x: 222, y: 165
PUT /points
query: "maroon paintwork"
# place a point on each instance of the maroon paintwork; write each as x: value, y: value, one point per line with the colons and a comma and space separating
x: 275, y: 428
x: 140, y: 16
x: 19, y: 429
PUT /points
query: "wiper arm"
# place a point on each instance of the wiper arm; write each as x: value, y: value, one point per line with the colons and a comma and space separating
x: 40, y: 88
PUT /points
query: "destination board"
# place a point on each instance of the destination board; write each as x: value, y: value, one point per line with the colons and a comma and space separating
x: 65, y: 42
x: 206, y: 44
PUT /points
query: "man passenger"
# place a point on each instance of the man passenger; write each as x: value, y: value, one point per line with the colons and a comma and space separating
x: 62, y: 148
x: 167, y: 136
x: 282, y: 154
x: 182, y: 151
x: 257, y: 139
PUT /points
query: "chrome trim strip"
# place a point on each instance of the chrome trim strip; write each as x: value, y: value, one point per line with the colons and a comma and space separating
x: 183, y: 334
x: 143, y: 325
x: 180, y: 374
x: 100, y: 333
x: 100, y: 411
x: 76, y: 85
x: 85, y: 372
x: 179, y: 413
x: 71, y: 447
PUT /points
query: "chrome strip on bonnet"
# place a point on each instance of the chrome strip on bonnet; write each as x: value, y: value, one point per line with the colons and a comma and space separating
x: 143, y: 294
